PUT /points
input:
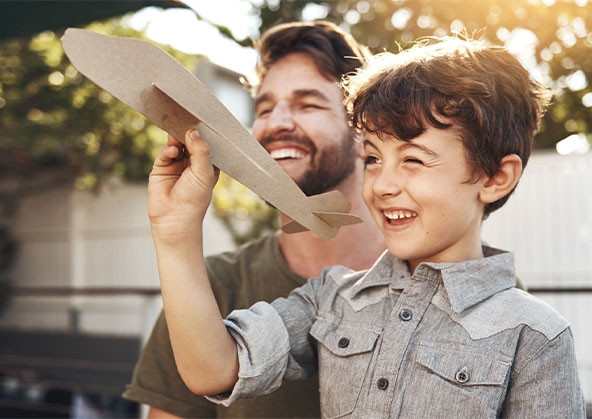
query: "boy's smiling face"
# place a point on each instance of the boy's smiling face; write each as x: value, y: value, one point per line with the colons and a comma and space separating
x: 419, y: 194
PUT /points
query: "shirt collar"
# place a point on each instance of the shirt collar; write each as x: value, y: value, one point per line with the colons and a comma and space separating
x: 466, y: 283
x: 387, y: 270
x: 470, y: 282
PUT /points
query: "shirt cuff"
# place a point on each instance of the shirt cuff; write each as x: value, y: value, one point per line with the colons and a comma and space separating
x: 263, y: 349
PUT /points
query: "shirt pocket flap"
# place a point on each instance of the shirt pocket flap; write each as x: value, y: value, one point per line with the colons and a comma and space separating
x: 344, y: 340
x: 464, y: 366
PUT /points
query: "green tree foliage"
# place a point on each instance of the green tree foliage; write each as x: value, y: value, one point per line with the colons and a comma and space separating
x: 560, y: 28
x: 57, y: 127
x: 243, y: 213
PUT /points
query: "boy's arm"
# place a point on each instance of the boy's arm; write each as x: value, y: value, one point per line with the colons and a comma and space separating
x: 179, y: 192
x: 546, y: 384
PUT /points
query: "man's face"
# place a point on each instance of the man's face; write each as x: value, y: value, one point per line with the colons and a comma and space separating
x: 301, y: 122
x: 419, y: 195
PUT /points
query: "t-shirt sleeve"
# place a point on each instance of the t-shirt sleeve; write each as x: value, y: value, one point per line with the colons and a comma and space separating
x: 156, y: 381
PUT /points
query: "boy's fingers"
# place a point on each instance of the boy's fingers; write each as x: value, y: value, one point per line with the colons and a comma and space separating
x: 173, y: 141
x: 166, y: 155
x: 199, y: 153
x: 196, y: 145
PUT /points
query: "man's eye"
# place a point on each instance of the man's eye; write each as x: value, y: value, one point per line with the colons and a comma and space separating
x: 263, y: 112
x: 310, y: 106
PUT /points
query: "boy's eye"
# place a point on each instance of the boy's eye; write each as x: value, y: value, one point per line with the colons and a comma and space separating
x: 413, y: 160
x: 369, y: 160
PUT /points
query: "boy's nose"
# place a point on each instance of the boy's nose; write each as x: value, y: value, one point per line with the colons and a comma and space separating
x: 280, y: 118
x: 387, y: 184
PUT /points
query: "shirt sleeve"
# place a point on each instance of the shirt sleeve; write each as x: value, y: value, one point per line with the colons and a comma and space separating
x: 273, y: 343
x: 547, y: 386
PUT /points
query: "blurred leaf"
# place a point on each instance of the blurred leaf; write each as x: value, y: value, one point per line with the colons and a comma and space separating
x: 57, y: 127
x: 562, y: 28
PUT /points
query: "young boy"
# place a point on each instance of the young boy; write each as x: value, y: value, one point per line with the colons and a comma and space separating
x: 435, y: 328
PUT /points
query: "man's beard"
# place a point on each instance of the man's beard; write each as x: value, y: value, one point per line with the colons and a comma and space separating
x: 333, y: 164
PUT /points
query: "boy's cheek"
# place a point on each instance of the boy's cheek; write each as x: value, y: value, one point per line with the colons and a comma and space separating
x: 367, y: 194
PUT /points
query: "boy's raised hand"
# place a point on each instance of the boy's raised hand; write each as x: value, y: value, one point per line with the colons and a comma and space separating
x: 179, y: 193
x: 180, y: 187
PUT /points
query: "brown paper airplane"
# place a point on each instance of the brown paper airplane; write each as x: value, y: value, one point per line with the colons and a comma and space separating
x: 149, y: 80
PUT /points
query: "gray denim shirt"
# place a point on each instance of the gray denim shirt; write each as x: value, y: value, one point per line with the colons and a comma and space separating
x: 455, y: 340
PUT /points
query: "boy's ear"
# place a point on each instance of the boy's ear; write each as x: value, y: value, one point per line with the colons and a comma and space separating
x: 504, y: 181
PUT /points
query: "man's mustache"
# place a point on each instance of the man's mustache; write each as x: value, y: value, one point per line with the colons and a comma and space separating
x: 292, y: 138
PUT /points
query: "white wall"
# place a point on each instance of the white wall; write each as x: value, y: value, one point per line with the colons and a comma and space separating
x: 81, y: 239
x: 547, y: 223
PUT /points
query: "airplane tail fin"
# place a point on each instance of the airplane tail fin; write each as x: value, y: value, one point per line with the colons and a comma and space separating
x: 331, y: 207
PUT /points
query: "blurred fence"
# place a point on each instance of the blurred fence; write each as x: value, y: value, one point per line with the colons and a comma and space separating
x: 548, y: 226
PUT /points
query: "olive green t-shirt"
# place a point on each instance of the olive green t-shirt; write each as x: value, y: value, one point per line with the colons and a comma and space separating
x: 255, y: 272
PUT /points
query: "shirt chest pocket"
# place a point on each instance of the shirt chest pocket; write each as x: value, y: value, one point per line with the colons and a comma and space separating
x: 461, y: 381
x: 345, y: 352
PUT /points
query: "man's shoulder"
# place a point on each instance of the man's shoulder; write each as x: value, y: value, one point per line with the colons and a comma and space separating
x: 256, y: 271
x: 257, y: 248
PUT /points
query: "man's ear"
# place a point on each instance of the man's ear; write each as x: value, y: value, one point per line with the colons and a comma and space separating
x: 504, y: 181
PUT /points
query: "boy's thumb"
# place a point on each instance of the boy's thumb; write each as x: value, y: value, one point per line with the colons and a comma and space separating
x: 199, y: 152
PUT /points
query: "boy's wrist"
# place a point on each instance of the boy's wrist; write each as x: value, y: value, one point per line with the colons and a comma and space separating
x: 176, y: 235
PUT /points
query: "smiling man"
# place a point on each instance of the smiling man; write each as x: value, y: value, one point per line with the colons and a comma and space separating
x: 294, y: 104
x: 301, y: 121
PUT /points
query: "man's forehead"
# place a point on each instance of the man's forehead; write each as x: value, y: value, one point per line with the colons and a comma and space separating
x: 295, y: 72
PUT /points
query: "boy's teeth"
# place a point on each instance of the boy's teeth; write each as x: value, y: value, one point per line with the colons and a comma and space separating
x: 286, y: 153
x: 396, y: 215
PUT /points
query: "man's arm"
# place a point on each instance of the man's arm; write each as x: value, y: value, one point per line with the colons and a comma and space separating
x: 179, y: 192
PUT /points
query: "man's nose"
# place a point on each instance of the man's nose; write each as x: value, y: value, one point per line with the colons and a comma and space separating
x: 281, y: 118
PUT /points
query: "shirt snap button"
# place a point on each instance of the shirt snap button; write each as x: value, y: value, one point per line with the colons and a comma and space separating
x: 382, y: 383
x: 343, y: 343
x: 405, y: 315
x: 462, y: 376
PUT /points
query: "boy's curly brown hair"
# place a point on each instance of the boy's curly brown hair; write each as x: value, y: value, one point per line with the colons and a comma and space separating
x: 480, y: 88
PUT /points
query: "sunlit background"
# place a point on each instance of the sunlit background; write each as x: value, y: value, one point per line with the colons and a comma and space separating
x: 78, y: 279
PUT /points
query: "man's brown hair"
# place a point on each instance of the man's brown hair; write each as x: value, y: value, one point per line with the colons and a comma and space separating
x: 334, y: 51
x: 480, y: 88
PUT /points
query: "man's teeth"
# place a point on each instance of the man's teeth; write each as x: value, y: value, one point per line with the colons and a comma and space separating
x: 397, y: 215
x: 287, y: 153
